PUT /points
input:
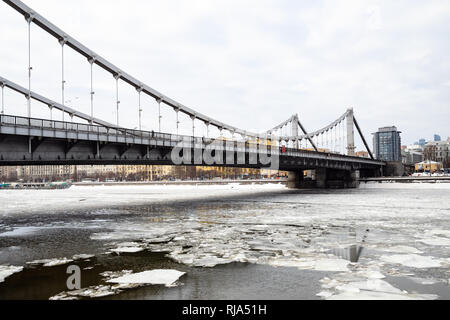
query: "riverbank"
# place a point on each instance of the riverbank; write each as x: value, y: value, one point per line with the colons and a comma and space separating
x: 183, y: 183
x: 445, y: 179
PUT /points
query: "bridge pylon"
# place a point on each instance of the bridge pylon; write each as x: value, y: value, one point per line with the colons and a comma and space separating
x: 294, y: 132
x: 350, y: 133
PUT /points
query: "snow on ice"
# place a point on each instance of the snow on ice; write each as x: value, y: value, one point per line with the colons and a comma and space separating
x: 164, y: 277
x: 413, y: 261
x: 279, y: 228
x: 6, y: 271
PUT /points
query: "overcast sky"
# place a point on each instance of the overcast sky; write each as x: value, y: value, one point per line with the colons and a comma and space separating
x: 251, y: 64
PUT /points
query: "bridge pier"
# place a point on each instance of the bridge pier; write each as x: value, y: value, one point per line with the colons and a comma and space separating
x: 295, y: 179
x: 337, y: 179
x: 324, y: 179
x: 321, y: 178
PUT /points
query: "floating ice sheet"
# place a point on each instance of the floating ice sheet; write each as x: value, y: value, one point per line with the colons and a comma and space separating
x: 317, y: 264
x: 127, y: 250
x: 365, y: 285
x: 376, y: 295
x: 51, y: 262
x: 399, y: 249
x: 436, y: 241
x: 413, y: 261
x: 21, y: 231
x: 115, y: 274
x: 277, y: 227
x: 6, y: 271
x: 83, y: 256
x: 90, y: 292
x: 164, y: 277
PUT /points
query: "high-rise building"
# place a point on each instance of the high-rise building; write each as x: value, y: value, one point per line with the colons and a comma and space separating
x: 387, y: 144
x: 437, y: 138
x: 422, y: 142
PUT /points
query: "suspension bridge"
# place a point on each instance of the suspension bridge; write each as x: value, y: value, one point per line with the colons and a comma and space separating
x: 80, y: 138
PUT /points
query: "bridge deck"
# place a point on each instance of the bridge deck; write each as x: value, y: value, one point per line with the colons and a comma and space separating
x: 53, y: 131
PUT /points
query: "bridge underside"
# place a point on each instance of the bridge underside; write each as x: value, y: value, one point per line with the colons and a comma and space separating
x: 325, y: 178
x: 16, y: 150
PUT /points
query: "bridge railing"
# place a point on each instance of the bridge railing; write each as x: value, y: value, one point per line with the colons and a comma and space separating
x: 164, y: 139
x: 34, y: 123
x: 185, y: 141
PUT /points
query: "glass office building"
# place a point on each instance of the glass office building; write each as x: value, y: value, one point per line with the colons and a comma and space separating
x: 387, y: 144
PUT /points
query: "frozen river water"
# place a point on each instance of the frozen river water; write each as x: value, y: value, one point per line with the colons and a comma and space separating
x: 381, y: 241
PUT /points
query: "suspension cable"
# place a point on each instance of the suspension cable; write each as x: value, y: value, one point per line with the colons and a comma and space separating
x: 177, y: 111
x: 91, y: 62
x: 117, y: 76
x: 333, y: 139
x: 29, y: 19
x: 63, y: 81
x: 159, y: 114
x: 140, y: 109
x: 3, y: 98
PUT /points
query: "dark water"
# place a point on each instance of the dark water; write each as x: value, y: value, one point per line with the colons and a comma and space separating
x: 67, y: 234
x: 235, y: 281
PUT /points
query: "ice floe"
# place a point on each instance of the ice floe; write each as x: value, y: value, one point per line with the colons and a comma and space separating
x: 92, y: 292
x: 436, y: 241
x: 115, y: 274
x: 376, y: 295
x: 438, y: 232
x: 83, y: 256
x: 51, y: 262
x: 154, y: 277
x: 118, y: 281
x: 365, y: 282
x: 351, y: 286
x: 279, y: 229
x: 317, y: 264
x: 127, y: 250
x: 413, y: 261
x: 6, y: 271
x: 399, y: 249
x: 423, y: 281
x: 21, y: 231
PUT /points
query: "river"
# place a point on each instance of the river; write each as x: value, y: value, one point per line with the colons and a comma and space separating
x: 381, y: 241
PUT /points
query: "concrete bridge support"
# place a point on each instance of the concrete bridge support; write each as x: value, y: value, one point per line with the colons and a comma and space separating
x: 337, y: 179
x: 295, y: 179
x: 325, y: 178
